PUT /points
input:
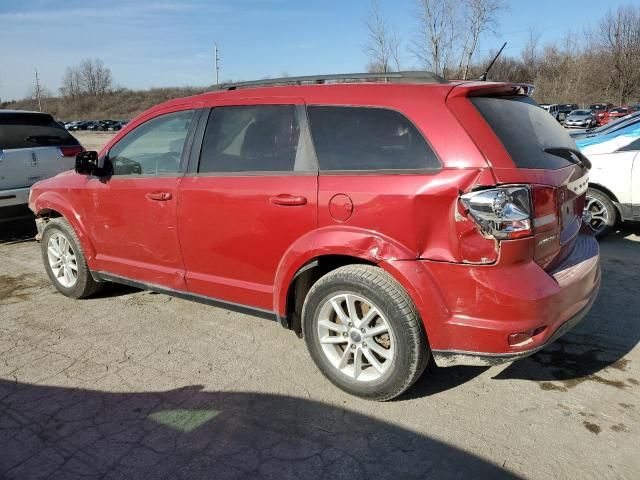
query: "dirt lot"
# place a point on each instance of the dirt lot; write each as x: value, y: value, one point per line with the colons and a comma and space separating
x: 93, y: 140
x: 131, y: 384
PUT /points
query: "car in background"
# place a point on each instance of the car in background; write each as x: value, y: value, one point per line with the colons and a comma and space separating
x: 117, y: 126
x: 564, y: 109
x: 608, y: 128
x: 553, y: 109
x: 394, y: 245
x: 601, y: 111
x: 33, y: 147
x: 580, y: 119
x: 78, y: 125
x: 619, y: 112
x: 614, y: 179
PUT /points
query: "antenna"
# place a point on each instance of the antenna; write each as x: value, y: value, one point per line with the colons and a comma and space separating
x: 216, y: 59
x: 483, y: 77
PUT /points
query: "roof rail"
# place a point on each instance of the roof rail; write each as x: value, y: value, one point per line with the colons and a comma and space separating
x: 397, y: 77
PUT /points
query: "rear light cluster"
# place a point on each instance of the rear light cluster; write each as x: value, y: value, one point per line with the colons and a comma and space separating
x: 503, y: 213
x: 70, y: 151
x: 514, y: 211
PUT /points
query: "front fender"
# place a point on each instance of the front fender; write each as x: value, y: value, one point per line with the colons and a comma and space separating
x: 333, y: 240
x: 52, y: 200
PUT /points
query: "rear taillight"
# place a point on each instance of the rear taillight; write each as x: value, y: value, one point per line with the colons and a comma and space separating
x: 545, y: 208
x: 70, y: 151
x: 502, y: 213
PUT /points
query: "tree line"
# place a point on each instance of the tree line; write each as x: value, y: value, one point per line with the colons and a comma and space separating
x: 600, y: 63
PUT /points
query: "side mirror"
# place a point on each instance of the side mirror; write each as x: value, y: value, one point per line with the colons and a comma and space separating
x: 86, y: 163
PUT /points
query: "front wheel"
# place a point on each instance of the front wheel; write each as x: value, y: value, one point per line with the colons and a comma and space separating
x: 64, y: 260
x: 364, y: 333
x: 599, y: 213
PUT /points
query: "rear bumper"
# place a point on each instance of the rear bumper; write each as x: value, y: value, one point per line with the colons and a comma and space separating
x: 18, y: 196
x: 469, y: 311
x: 13, y: 204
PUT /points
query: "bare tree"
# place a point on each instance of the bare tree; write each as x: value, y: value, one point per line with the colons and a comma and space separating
x: 619, y: 36
x: 90, y: 77
x: 383, y: 48
x: 71, y: 83
x: 480, y: 16
x: 436, y: 37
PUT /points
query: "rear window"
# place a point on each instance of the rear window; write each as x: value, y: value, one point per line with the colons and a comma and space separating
x: 525, y: 130
x: 365, y: 138
x: 32, y: 130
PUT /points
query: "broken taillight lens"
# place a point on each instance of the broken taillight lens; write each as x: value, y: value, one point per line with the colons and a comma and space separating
x: 502, y: 213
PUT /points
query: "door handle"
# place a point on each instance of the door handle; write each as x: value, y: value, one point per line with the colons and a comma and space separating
x: 288, y: 200
x: 159, y: 196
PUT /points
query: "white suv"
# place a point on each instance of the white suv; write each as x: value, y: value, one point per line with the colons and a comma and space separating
x: 33, y: 146
x: 614, y: 180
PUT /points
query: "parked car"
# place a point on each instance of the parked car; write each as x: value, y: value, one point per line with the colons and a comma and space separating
x: 33, y: 146
x: 119, y: 125
x: 608, y: 128
x: 553, y: 109
x: 601, y: 111
x: 564, y: 109
x: 619, y: 112
x: 614, y: 181
x: 338, y: 207
x: 80, y: 125
x: 580, y: 119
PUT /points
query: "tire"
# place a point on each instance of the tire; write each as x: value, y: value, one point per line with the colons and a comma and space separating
x: 60, y: 240
x: 395, y: 356
x: 600, y: 213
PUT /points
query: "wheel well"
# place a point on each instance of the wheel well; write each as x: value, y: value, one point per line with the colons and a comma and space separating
x: 48, y: 213
x: 304, y: 279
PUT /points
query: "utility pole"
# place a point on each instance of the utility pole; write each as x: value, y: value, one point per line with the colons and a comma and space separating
x: 216, y: 59
x: 38, y: 90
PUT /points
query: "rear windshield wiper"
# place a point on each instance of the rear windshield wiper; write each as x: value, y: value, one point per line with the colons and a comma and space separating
x: 570, y: 154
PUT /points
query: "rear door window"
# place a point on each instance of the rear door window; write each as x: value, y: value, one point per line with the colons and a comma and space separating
x: 366, y: 138
x: 526, y: 131
x: 31, y: 131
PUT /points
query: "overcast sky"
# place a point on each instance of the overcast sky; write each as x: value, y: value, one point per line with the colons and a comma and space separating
x: 170, y: 43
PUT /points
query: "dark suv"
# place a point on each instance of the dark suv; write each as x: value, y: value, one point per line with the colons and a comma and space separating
x: 339, y: 207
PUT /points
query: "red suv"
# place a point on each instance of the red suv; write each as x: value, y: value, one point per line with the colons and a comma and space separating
x: 339, y: 207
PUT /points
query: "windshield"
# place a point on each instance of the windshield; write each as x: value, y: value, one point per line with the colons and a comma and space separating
x: 597, y: 106
x: 619, y: 110
x: 581, y: 112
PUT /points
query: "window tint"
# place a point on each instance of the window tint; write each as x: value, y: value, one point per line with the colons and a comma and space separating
x: 256, y: 138
x: 525, y: 131
x: 153, y: 148
x: 363, y: 138
x: 32, y: 130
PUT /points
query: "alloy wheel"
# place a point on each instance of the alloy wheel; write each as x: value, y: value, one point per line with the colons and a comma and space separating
x: 356, y: 337
x: 62, y: 260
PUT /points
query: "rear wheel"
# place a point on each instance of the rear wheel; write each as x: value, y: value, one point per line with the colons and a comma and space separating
x: 364, y: 333
x: 599, y: 213
x: 64, y: 260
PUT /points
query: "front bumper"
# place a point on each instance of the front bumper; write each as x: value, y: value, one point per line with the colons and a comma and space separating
x: 470, y: 311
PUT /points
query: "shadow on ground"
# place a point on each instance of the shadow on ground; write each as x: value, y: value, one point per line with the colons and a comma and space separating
x: 63, y: 433
x: 17, y: 230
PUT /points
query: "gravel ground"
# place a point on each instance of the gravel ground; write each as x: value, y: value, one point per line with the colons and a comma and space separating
x: 132, y: 384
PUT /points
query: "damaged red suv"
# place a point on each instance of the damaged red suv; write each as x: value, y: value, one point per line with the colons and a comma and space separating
x: 339, y: 207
